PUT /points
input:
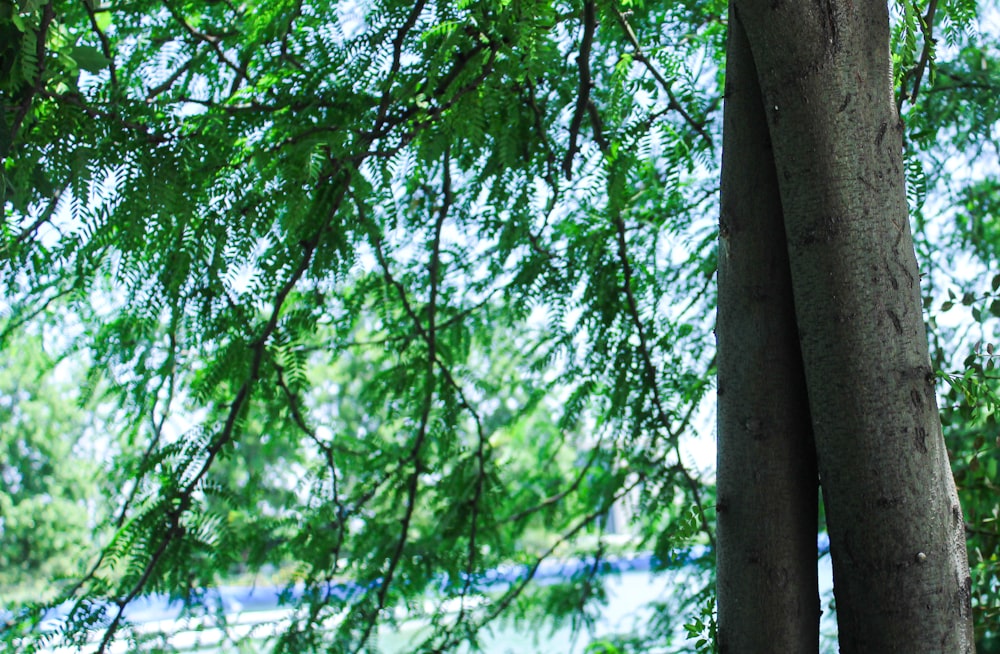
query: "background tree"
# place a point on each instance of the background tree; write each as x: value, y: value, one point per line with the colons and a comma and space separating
x: 50, y: 501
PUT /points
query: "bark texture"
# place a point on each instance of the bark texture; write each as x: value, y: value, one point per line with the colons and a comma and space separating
x: 900, y: 568
x: 767, y: 486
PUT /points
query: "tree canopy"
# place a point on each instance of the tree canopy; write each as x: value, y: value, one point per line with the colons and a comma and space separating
x: 390, y: 294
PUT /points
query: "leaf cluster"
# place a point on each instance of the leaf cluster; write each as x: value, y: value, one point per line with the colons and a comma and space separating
x: 384, y: 290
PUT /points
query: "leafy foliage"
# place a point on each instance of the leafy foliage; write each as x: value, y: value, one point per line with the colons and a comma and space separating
x: 390, y: 294
x: 382, y: 286
x: 48, y: 476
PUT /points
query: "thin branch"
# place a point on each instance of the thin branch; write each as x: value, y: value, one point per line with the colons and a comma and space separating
x: 428, y: 334
x: 649, y: 371
x: 673, y: 103
x: 226, y: 434
x: 460, y: 62
x: 43, y: 217
x: 327, y: 450
x: 300, y: 421
x: 209, y: 39
x: 103, y: 38
x: 23, y: 319
x: 550, y: 158
x: 397, y: 57
x: 927, y: 27
x: 973, y: 531
x: 75, y: 100
x: 432, y: 114
x: 558, y: 497
x: 285, y: 55
x: 472, y: 550
x: 450, y: 322
x: 48, y: 15
x: 586, y: 83
x: 517, y: 588
x: 430, y: 391
x: 170, y: 81
x: 598, y: 126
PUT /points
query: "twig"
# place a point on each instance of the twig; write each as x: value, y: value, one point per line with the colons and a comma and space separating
x: 170, y: 81
x: 226, y: 434
x: 583, y: 95
x: 430, y: 391
x: 74, y: 100
x: 397, y: 56
x: 673, y: 103
x: 927, y: 26
x: 550, y: 158
x: 43, y: 217
x: 650, y: 372
x: 211, y: 40
x: 15, y: 324
x: 48, y: 15
x: 517, y: 588
x: 103, y: 38
x: 553, y: 499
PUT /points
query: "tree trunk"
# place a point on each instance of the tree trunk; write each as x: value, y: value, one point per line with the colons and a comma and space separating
x: 901, y: 578
x: 767, y: 486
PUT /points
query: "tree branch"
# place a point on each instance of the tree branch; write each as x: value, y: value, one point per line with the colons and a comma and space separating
x: 430, y: 391
x: 170, y: 81
x: 184, y: 495
x: 48, y: 15
x: 74, y: 99
x: 212, y: 41
x: 927, y: 27
x: 586, y: 82
x: 88, y: 6
x: 650, y: 374
x: 673, y: 103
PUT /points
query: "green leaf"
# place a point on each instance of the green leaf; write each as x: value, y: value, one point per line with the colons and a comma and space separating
x: 103, y: 20
x: 89, y: 58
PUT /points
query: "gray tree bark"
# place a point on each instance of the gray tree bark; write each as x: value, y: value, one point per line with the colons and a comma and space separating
x: 900, y: 569
x: 767, y: 486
